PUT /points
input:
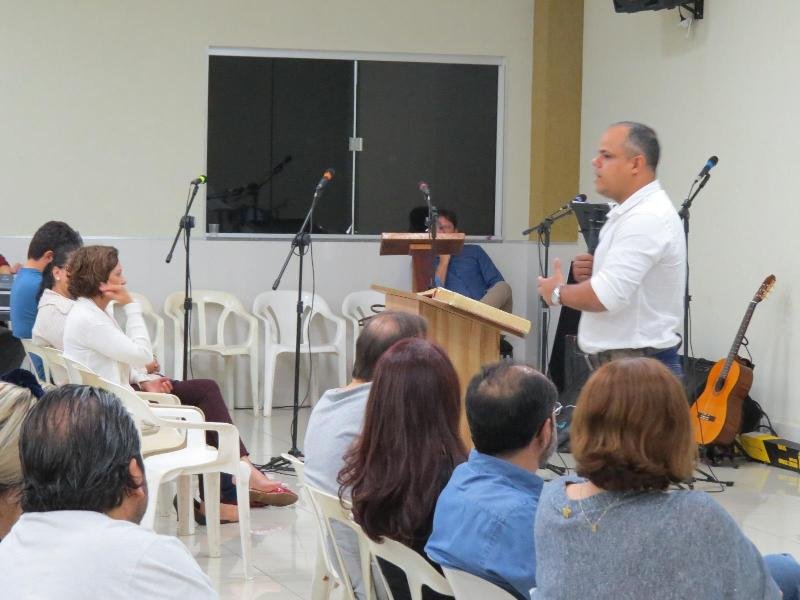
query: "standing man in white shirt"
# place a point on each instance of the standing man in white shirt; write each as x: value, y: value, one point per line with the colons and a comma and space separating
x: 83, y: 495
x: 631, y: 291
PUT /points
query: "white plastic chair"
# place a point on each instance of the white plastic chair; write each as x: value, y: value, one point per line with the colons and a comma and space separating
x: 154, y: 321
x: 196, y: 458
x: 327, y: 507
x: 278, y: 311
x: 358, y: 305
x: 230, y: 307
x: 59, y: 370
x: 467, y: 586
x: 418, y: 571
x: 32, y: 350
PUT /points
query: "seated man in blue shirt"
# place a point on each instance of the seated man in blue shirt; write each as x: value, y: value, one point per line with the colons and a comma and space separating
x: 471, y: 273
x: 25, y: 289
x: 483, y: 523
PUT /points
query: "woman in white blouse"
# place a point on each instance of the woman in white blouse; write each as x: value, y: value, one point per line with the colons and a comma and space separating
x: 55, y: 303
x: 93, y: 337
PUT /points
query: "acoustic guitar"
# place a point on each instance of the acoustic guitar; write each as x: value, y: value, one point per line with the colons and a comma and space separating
x: 717, y: 413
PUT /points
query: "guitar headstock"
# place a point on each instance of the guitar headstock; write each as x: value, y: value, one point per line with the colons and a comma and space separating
x: 765, y: 289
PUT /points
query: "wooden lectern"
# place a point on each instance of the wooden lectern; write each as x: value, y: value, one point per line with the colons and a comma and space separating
x: 422, y: 248
x: 468, y: 330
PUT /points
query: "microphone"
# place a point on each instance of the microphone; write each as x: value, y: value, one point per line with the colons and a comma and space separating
x: 424, y: 188
x: 324, y: 180
x: 710, y: 164
x: 199, y: 181
x: 558, y: 214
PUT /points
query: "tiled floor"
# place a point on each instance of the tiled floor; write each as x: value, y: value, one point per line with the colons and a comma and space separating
x: 765, y: 501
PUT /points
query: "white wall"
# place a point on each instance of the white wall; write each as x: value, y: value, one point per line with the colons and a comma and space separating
x: 730, y: 89
x: 103, y: 104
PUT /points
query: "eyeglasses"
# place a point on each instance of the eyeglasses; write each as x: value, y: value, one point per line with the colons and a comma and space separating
x: 557, y: 409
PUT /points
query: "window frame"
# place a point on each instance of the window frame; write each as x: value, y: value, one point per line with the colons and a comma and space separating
x: 498, y: 61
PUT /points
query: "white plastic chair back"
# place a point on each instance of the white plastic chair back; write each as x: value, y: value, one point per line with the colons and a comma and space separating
x: 82, y: 373
x: 59, y: 370
x: 278, y: 311
x: 230, y: 309
x: 327, y: 507
x: 32, y: 350
x: 154, y: 321
x: 358, y: 305
x: 418, y: 571
x: 467, y: 586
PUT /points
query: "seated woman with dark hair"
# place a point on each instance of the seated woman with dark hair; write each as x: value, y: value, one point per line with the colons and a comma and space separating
x: 616, y: 532
x: 55, y: 303
x: 93, y: 338
x: 407, y: 449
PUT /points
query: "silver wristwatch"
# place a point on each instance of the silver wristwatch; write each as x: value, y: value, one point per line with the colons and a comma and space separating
x: 555, y: 297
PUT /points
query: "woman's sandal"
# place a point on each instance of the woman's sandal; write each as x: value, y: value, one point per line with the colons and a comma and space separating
x: 281, y: 496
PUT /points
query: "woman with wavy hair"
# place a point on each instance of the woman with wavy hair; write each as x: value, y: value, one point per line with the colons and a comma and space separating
x: 615, y: 531
x: 93, y: 338
x: 409, y: 446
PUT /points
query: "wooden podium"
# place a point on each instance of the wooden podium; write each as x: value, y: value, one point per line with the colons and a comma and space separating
x: 422, y: 248
x: 468, y: 330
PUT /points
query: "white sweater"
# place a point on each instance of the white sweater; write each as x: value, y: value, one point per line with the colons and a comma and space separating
x: 94, y: 338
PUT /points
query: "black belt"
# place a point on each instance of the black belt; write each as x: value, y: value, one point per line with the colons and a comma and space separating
x: 606, y: 356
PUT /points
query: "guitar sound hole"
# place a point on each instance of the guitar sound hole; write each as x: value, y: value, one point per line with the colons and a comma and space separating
x: 719, y: 385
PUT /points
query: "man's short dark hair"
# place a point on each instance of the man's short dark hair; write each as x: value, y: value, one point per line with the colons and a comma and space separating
x: 76, y: 446
x: 643, y: 140
x: 450, y: 215
x: 51, y: 236
x: 507, y: 403
x: 380, y: 332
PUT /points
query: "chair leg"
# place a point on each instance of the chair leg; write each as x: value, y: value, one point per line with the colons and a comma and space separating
x: 342, y: 362
x: 243, y: 502
x: 185, y: 506
x: 320, y: 585
x: 153, y: 478
x: 211, y: 498
x: 230, y: 367
x: 254, y: 379
x: 164, y: 503
x: 270, y: 366
x: 313, y: 363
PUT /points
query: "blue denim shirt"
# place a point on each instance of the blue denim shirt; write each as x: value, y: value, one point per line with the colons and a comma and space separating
x: 483, y: 523
x: 470, y: 272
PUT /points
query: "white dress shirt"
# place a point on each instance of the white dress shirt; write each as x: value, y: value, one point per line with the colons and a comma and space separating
x: 638, y: 275
x: 95, y: 339
x: 74, y: 554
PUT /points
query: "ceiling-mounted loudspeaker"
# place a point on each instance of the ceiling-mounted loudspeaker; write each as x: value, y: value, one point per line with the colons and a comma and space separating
x: 632, y: 6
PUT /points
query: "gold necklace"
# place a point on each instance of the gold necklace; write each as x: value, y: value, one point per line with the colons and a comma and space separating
x: 594, y: 525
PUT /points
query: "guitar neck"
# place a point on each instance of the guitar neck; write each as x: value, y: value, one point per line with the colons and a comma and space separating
x: 737, y: 341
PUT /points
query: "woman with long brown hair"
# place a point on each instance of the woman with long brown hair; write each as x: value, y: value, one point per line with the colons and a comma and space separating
x: 615, y: 531
x: 408, y: 448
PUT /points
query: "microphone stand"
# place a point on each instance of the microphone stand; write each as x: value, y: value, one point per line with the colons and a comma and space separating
x: 301, y: 241
x: 683, y: 213
x: 185, y: 225
x: 543, y: 229
x: 433, y: 227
